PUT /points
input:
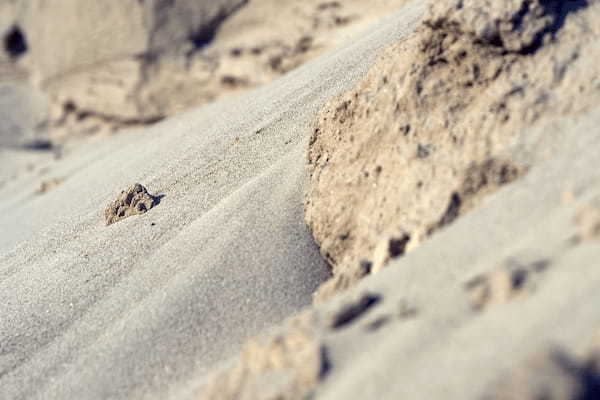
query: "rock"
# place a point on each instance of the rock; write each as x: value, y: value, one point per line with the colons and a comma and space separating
x: 132, y: 201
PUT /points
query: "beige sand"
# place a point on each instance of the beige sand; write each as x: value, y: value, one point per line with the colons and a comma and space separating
x: 105, y: 70
x: 439, y: 124
x: 466, y: 162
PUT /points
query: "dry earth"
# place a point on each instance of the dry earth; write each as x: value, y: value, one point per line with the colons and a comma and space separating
x: 134, y: 200
x: 148, y: 306
x: 433, y: 127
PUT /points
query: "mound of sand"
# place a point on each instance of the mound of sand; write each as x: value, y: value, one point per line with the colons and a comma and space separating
x: 439, y: 123
x: 453, y: 189
x: 465, y: 160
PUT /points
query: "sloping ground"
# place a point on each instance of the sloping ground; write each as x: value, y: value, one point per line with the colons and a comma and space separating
x: 439, y: 123
x: 102, y: 70
x: 474, y: 145
x: 451, y: 345
x: 145, y: 307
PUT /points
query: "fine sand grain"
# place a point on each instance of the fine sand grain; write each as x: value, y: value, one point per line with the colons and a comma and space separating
x: 446, y: 162
x: 143, y: 308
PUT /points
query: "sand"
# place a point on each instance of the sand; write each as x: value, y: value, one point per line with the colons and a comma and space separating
x: 453, y: 193
x: 142, y: 310
x: 439, y: 123
x: 103, y: 70
x: 481, y: 284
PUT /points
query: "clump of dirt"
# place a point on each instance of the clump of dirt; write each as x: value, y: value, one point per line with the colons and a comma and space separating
x: 435, y: 125
x: 284, y: 366
x: 134, y: 200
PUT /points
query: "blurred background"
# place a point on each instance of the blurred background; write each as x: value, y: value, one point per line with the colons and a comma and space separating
x: 74, y: 68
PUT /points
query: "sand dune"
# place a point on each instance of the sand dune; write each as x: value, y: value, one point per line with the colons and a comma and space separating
x: 146, y: 305
x: 433, y: 179
x: 453, y: 192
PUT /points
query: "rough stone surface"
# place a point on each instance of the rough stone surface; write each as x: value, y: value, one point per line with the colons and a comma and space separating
x: 132, y: 201
x: 433, y: 128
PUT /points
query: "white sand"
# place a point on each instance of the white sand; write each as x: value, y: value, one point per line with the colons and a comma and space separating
x: 135, y: 310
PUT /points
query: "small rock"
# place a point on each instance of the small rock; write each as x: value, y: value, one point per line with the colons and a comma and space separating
x: 135, y: 200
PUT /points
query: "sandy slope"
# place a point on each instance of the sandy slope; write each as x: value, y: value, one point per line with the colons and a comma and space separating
x: 473, y: 144
x: 500, y: 302
x: 105, y: 70
x: 136, y: 309
x: 449, y: 349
